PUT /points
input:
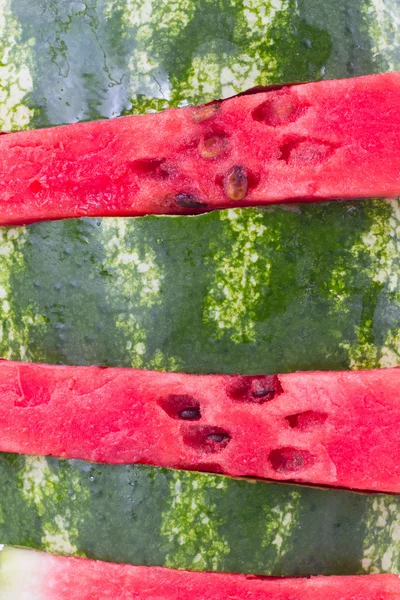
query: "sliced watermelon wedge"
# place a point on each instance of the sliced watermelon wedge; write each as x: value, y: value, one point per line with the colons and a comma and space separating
x: 26, y: 574
x: 307, y: 142
x: 333, y: 428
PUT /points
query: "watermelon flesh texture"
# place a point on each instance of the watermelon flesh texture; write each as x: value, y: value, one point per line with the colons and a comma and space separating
x: 333, y: 428
x: 308, y: 142
x: 30, y: 575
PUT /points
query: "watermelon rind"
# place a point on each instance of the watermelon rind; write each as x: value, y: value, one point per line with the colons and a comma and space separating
x: 68, y: 61
x: 274, y: 290
x: 197, y: 521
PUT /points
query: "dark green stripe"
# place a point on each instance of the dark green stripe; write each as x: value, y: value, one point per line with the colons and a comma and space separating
x: 152, y: 516
x: 103, y: 58
x: 251, y: 291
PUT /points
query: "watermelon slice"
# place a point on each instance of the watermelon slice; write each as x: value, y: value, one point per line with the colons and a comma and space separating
x: 321, y: 140
x: 333, y: 428
x: 68, y: 61
x: 153, y: 516
x: 270, y: 290
x: 26, y: 574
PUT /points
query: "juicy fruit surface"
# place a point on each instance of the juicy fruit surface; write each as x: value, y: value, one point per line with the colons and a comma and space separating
x: 333, y: 428
x: 47, y: 577
x: 68, y: 61
x: 151, y: 516
x: 283, y: 289
x: 282, y: 145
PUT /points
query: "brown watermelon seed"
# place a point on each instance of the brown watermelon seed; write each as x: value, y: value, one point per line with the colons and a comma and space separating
x: 217, y: 438
x: 212, y: 146
x: 206, y: 438
x: 187, y: 201
x: 236, y: 183
x: 260, y: 390
x: 203, y: 113
x: 190, y: 414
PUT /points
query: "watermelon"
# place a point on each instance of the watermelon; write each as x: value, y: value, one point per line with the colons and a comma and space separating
x: 333, y: 428
x: 152, y: 516
x: 248, y: 291
x: 68, y: 61
x: 320, y: 140
x: 40, y: 576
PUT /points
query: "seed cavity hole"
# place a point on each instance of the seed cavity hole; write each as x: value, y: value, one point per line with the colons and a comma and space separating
x: 279, y: 109
x: 156, y: 168
x: 290, y: 460
x: 212, y: 145
x: 206, y: 438
x: 256, y: 390
x: 306, y: 151
x: 307, y: 420
x: 204, y: 113
x: 181, y: 406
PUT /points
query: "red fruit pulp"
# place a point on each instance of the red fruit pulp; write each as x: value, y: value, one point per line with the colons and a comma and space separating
x: 332, y: 428
x: 331, y: 139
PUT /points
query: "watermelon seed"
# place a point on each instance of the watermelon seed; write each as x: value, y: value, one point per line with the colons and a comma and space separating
x: 190, y: 414
x: 187, y: 201
x: 181, y: 406
x: 203, y: 113
x: 206, y: 438
x: 217, y: 437
x: 260, y: 390
x: 254, y: 389
x: 236, y: 183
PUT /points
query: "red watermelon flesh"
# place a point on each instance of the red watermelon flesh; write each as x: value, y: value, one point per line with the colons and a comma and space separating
x: 332, y: 428
x: 320, y: 140
x: 40, y: 576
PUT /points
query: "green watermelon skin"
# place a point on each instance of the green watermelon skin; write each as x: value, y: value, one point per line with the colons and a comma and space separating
x: 248, y: 291
x: 68, y: 61
x: 49, y: 577
x: 151, y: 516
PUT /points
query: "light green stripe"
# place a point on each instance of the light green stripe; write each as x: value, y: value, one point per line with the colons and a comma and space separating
x: 138, y: 279
x: 39, y: 485
x: 383, y: 17
x: 191, y: 525
x: 380, y: 250
x: 234, y: 293
x: 280, y: 522
x: 15, y: 74
x: 382, y: 530
x: 14, y: 331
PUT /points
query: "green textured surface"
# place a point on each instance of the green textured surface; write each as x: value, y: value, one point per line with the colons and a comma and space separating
x: 279, y: 289
x: 62, y: 61
x: 151, y: 516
